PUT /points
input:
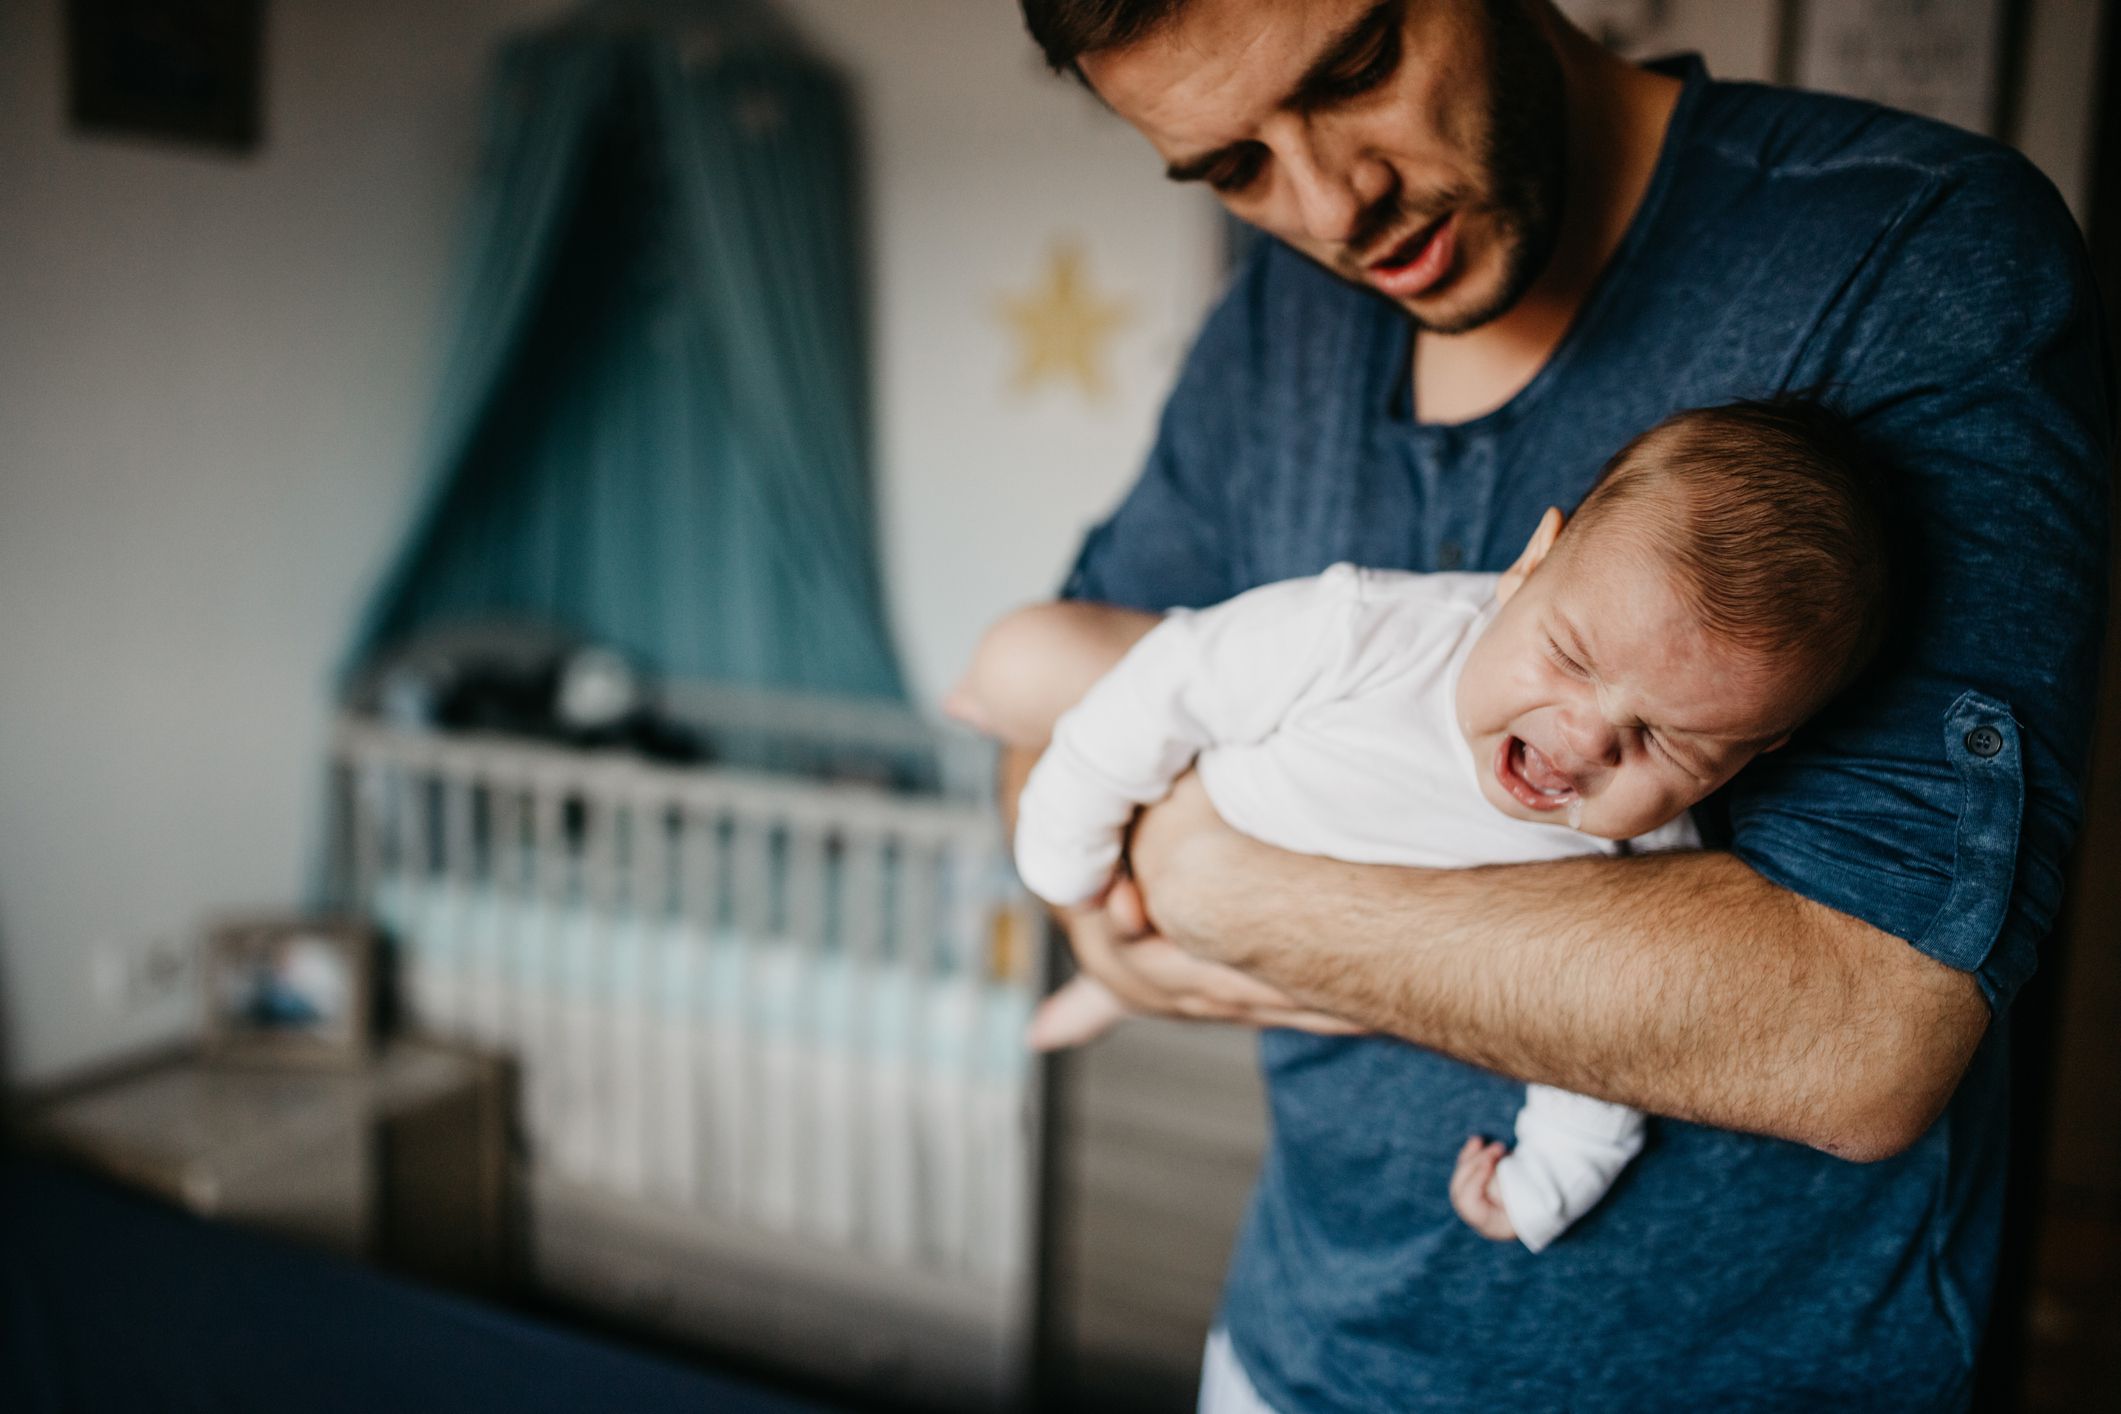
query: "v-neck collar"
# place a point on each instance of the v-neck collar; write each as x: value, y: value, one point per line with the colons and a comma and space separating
x: 1398, y: 393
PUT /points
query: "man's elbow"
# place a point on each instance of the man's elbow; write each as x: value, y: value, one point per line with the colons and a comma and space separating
x: 1889, y: 1099
x: 1037, y: 662
x: 994, y: 694
x: 1874, y: 1133
x: 1873, y: 1053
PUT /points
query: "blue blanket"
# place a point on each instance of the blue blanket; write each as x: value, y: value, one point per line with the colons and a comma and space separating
x: 109, y: 1302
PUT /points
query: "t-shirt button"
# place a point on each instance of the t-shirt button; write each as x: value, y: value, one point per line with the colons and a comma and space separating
x: 1984, y: 742
x: 1449, y: 556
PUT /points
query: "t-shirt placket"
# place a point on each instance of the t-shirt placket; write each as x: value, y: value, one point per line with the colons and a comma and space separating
x: 1454, y: 475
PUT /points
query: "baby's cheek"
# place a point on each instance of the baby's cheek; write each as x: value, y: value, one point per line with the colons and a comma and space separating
x: 1644, y: 806
x: 1673, y: 797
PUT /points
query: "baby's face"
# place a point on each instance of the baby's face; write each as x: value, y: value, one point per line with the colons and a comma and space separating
x: 1594, y: 699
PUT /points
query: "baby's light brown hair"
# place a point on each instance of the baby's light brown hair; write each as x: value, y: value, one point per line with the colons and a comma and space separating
x: 1774, y: 521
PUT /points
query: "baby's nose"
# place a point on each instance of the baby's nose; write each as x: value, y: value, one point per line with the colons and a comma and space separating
x: 1591, y: 739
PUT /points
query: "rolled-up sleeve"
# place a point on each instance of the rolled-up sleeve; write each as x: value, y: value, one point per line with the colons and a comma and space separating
x: 1939, y: 799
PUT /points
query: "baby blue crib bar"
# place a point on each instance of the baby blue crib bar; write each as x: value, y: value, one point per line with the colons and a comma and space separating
x: 769, y: 1027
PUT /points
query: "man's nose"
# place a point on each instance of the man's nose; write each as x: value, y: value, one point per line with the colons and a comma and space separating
x: 1332, y: 192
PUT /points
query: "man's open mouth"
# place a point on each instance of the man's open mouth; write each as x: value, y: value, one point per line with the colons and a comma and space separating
x: 1530, y: 778
x: 1417, y: 262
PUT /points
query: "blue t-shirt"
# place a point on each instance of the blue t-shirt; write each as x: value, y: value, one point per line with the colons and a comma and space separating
x: 1931, y: 285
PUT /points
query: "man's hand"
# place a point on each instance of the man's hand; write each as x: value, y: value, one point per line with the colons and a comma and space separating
x: 1116, y: 945
x: 1182, y: 826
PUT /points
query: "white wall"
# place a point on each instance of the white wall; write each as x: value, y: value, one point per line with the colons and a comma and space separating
x: 213, y: 373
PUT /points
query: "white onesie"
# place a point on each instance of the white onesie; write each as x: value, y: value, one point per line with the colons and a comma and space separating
x: 1321, y: 714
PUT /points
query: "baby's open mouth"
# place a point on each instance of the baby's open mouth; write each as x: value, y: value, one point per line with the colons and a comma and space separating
x: 1530, y: 778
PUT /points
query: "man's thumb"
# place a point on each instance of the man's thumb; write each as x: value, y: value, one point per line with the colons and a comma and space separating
x: 1125, y: 907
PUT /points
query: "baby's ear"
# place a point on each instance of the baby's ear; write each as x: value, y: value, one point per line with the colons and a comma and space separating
x: 1535, y: 551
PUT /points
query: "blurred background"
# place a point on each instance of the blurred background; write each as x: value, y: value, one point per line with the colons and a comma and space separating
x: 491, y: 495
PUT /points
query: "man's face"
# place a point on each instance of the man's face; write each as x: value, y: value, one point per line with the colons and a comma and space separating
x: 1596, y: 699
x: 1412, y: 146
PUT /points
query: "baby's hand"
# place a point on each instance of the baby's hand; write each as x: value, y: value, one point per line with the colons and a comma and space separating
x: 1473, y: 1191
x: 1076, y: 1015
x: 1065, y: 863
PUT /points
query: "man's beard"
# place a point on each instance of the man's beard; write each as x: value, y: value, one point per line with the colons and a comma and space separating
x: 1527, y: 153
x: 1524, y: 157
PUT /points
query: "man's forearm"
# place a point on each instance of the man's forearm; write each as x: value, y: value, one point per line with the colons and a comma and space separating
x: 1682, y: 984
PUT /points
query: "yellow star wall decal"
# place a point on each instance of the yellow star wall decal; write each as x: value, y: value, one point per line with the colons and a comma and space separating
x: 1062, y: 327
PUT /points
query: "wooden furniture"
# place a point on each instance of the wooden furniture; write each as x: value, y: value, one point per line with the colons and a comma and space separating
x: 401, y: 1160
x: 1158, y: 1131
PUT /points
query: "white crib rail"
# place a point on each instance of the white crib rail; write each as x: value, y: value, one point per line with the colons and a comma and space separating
x: 781, y: 1005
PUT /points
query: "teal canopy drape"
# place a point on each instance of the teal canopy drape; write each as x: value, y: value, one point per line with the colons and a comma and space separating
x: 651, y: 422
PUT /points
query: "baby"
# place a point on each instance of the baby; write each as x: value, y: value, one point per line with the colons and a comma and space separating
x: 1724, y: 578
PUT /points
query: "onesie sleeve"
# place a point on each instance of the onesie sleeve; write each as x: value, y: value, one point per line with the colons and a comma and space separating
x: 1222, y: 676
x: 1570, y: 1149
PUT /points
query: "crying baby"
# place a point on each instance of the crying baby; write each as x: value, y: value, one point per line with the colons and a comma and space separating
x: 1725, y: 577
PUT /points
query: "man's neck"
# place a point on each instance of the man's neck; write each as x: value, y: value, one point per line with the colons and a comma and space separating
x: 1618, y: 114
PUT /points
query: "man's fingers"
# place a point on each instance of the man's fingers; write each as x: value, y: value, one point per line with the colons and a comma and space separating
x: 1124, y: 906
x: 1098, y: 952
x: 1186, y: 813
x: 1155, y: 977
x: 1170, y: 967
x: 1318, y: 1023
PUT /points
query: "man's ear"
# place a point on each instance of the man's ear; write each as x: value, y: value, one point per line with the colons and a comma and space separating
x: 1535, y: 552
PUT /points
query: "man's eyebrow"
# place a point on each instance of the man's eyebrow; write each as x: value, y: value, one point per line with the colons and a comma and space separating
x: 1195, y: 169
x: 1342, y: 49
x: 1345, y: 48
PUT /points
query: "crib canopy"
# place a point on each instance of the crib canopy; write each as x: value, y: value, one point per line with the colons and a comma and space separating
x: 651, y: 424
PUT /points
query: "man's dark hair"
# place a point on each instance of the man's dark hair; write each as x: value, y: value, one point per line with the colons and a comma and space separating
x: 1782, y: 542
x: 1068, y: 29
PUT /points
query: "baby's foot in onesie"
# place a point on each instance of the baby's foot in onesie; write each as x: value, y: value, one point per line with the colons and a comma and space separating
x: 1076, y: 1015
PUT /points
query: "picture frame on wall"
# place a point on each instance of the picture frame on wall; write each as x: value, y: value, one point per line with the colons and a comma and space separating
x: 1943, y: 59
x: 183, y: 71
x: 290, y: 990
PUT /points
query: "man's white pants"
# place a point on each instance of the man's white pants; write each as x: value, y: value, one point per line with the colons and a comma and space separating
x: 1225, y: 1388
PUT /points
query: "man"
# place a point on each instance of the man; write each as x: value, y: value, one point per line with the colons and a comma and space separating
x: 1499, y: 253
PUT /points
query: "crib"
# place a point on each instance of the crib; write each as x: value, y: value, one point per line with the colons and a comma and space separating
x: 768, y: 1025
